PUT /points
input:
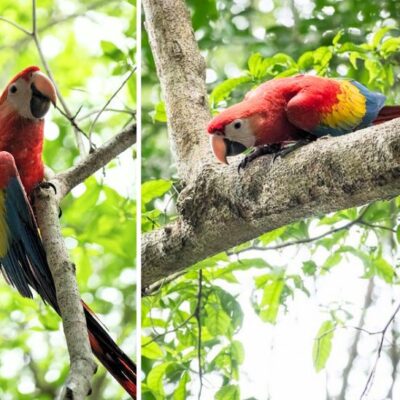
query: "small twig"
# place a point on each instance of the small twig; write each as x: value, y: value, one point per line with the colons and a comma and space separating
x: 353, y: 348
x: 383, y: 333
x: 46, y: 66
x: 108, y: 102
x: 160, y: 335
x: 156, y: 286
x: 113, y: 110
x: 307, y: 240
x: 67, y: 180
x: 15, y: 25
x: 376, y: 226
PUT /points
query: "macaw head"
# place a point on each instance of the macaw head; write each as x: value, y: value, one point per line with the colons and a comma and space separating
x: 30, y: 94
x: 233, y: 130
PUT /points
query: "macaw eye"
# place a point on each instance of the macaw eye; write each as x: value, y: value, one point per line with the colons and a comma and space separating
x: 13, y: 89
x: 237, y: 125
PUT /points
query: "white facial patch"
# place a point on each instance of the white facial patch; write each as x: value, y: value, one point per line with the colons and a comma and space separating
x: 240, y: 131
x: 19, y: 97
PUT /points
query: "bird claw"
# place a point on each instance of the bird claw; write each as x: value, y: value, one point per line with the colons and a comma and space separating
x: 258, y: 152
x: 46, y: 185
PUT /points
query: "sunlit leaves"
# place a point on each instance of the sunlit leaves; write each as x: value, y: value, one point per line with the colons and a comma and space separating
x: 229, y: 392
x: 155, y: 380
x: 272, y: 286
x: 151, y: 349
x: 154, y: 189
x: 224, y: 89
x: 323, y: 345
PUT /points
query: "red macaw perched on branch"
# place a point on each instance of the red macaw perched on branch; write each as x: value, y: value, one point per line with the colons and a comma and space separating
x: 23, y: 262
x: 296, y: 109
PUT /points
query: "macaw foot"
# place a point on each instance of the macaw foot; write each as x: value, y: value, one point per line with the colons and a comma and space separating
x: 47, y: 185
x: 289, y: 149
x: 258, y: 152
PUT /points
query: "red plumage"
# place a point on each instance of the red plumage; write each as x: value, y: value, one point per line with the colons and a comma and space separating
x: 21, y: 145
x: 303, y: 108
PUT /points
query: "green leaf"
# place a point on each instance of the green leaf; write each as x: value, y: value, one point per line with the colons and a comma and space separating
x: 390, y: 46
x: 398, y: 233
x: 374, y: 68
x: 49, y: 319
x: 155, y: 380
x: 331, y: 261
x: 306, y: 60
x: 270, y: 302
x: 337, y: 37
x: 383, y: 269
x: 180, y: 392
x: 159, y: 114
x: 111, y: 51
x: 217, y: 320
x: 255, y: 64
x: 237, y: 351
x: 379, y: 34
x: 154, y: 189
x: 151, y: 350
x: 323, y: 345
x: 272, y: 235
x: 224, y: 89
x: 228, y: 392
x: 309, y: 267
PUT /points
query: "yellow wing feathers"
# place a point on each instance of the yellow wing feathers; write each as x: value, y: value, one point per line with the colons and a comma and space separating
x: 349, y: 110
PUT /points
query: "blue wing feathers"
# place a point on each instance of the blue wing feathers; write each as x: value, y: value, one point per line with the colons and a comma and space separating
x: 375, y: 101
x: 25, y: 264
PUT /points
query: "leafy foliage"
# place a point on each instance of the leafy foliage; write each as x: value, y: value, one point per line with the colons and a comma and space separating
x: 185, y: 333
x: 98, y: 218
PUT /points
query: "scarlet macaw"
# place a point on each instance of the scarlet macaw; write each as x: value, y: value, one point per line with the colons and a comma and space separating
x: 23, y: 104
x: 296, y: 109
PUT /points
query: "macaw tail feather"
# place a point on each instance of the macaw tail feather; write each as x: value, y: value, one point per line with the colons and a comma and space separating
x: 387, y: 113
x: 120, y: 366
x: 24, y: 264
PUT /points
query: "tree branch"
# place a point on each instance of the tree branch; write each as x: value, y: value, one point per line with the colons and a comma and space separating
x: 220, y: 209
x: 63, y: 271
x: 181, y: 70
x: 67, y: 180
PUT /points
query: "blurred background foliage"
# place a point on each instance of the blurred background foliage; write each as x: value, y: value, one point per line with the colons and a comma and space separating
x: 276, y: 311
x: 90, y: 47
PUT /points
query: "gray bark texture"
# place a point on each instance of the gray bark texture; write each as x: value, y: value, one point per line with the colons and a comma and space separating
x: 82, y: 365
x: 220, y: 208
x: 181, y: 70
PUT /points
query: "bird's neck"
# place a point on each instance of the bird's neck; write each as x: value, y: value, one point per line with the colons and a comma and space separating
x: 23, y: 138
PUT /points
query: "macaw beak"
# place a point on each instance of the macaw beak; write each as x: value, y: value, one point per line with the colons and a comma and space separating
x: 219, y: 148
x: 223, y: 147
x: 43, y: 93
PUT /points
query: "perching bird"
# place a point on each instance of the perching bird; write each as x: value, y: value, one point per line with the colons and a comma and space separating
x: 296, y: 109
x: 23, y: 262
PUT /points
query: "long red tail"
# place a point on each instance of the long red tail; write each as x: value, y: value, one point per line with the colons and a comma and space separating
x: 109, y: 354
x: 387, y: 113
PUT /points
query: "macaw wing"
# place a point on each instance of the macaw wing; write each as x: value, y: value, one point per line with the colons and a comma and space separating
x: 335, y: 110
x: 22, y: 256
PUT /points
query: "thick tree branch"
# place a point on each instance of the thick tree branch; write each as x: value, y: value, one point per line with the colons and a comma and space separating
x: 181, y: 70
x: 63, y: 270
x: 219, y: 208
